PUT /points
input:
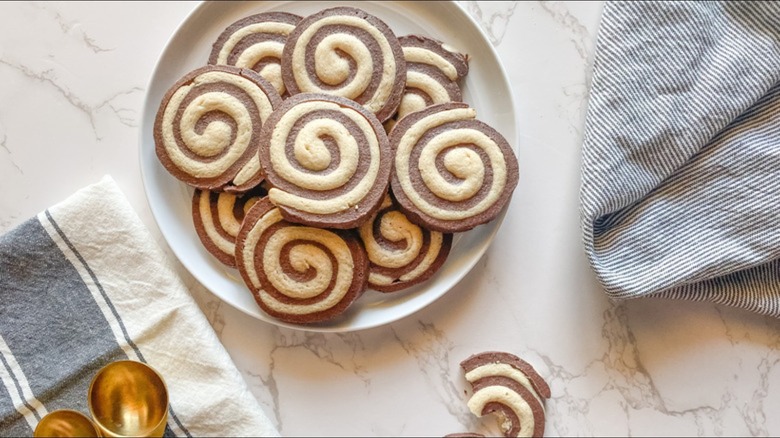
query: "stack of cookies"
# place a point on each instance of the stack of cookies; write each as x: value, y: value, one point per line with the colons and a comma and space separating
x: 329, y: 156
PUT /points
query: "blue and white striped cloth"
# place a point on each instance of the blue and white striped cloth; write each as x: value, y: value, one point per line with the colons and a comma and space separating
x: 680, y: 193
x: 84, y: 284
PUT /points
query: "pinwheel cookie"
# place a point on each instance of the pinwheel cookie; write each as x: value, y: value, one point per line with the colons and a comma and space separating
x: 505, y: 385
x: 433, y: 70
x: 256, y: 42
x: 218, y: 216
x: 346, y: 52
x: 401, y: 254
x: 327, y: 160
x: 451, y: 171
x: 299, y: 274
x: 207, y: 129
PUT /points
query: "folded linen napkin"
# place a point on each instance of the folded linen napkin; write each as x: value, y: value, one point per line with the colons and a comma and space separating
x: 680, y: 194
x: 84, y: 284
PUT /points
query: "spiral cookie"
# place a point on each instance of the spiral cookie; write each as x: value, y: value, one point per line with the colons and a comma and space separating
x: 217, y: 217
x: 327, y: 159
x: 401, y: 254
x: 256, y: 42
x: 423, y: 50
x: 452, y: 172
x: 505, y: 385
x: 346, y: 52
x: 207, y: 129
x: 299, y: 274
x: 432, y: 72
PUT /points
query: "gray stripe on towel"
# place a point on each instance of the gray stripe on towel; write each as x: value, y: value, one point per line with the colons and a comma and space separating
x: 49, y: 319
x: 17, y: 385
x: 11, y: 421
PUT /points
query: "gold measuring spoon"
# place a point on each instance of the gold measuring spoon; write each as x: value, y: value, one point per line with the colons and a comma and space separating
x: 128, y: 398
x: 65, y: 423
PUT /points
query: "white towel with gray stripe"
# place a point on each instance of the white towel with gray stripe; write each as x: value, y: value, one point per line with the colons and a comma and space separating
x: 84, y: 284
x: 680, y: 194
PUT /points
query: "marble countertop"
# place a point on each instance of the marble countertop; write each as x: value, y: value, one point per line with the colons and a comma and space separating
x: 73, y: 78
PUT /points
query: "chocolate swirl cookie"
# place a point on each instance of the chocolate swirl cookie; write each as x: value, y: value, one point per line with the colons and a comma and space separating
x: 452, y: 172
x: 207, y: 129
x: 423, y: 50
x: 401, y: 254
x: 299, y: 274
x: 433, y: 70
x: 218, y: 216
x: 256, y: 42
x: 346, y: 52
x: 505, y: 385
x: 327, y: 159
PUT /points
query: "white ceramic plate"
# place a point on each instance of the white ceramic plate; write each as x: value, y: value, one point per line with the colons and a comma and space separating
x: 486, y: 88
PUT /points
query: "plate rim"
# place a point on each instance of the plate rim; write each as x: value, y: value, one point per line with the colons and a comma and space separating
x: 457, y: 278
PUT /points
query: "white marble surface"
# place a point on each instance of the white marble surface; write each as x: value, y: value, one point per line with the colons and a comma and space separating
x: 72, y: 82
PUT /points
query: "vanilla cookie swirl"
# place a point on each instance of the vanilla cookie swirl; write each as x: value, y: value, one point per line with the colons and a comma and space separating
x: 327, y: 160
x: 256, y: 42
x: 401, y: 254
x: 346, y: 52
x: 207, y: 129
x: 452, y: 172
x: 217, y: 217
x: 507, y: 386
x: 432, y: 72
x: 299, y: 274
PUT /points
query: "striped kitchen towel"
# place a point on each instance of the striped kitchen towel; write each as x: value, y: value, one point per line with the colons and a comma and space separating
x: 680, y: 194
x: 84, y: 284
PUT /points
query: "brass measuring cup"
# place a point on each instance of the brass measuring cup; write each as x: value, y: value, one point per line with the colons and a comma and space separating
x: 128, y: 398
x: 65, y: 423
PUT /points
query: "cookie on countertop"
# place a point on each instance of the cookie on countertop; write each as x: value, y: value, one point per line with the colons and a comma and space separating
x: 401, y: 254
x: 509, y: 387
x: 346, y: 52
x: 256, y: 42
x: 299, y: 274
x: 207, y: 128
x: 217, y: 217
x: 451, y: 172
x: 327, y: 160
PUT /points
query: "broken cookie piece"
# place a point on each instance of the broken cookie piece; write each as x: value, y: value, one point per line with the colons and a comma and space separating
x: 507, y: 386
